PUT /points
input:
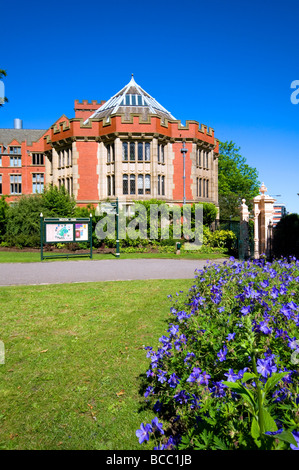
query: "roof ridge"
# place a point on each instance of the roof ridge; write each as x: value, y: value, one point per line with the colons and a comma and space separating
x: 118, y: 100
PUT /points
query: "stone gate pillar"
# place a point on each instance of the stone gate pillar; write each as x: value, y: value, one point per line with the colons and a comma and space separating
x: 263, y: 212
x: 244, y: 249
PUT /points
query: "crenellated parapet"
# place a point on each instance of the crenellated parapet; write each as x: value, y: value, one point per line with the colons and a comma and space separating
x: 85, y: 108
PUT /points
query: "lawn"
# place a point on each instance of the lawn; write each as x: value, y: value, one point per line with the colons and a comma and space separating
x: 31, y: 257
x: 73, y: 362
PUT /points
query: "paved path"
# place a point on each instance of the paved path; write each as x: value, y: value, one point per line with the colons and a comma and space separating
x: 97, y: 270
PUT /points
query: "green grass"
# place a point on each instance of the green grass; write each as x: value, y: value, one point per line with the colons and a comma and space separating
x: 73, y: 362
x: 31, y: 257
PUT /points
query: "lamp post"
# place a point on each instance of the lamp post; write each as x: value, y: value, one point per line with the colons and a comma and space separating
x: 184, y: 151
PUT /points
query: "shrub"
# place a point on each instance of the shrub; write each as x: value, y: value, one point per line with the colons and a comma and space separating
x: 223, y: 239
x: 224, y: 375
x: 23, y: 216
x: 3, y: 215
x: 209, y: 213
x: 23, y: 222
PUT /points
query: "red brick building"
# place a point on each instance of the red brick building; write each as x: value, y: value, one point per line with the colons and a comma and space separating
x: 128, y: 147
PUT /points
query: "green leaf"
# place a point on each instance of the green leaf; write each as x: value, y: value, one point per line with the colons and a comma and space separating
x: 255, y: 429
x: 247, y: 376
x: 286, y: 436
x: 241, y: 390
x: 269, y: 423
x: 273, y: 380
x: 219, y: 444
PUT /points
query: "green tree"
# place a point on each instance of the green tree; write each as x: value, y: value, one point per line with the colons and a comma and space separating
x: 3, y: 99
x: 236, y: 180
x: 23, y: 221
x: 3, y: 216
x: 23, y: 217
x: 57, y: 202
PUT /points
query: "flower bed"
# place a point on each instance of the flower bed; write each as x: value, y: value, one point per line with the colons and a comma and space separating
x: 225, y: 375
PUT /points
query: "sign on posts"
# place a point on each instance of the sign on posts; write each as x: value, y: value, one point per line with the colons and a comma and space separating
x: 65, y: 230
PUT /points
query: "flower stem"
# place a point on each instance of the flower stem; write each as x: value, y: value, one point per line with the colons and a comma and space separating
x: 260, y: 400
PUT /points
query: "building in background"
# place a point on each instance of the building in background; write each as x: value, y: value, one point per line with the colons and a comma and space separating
x: 22, y: 161
x: 279, y: 212
x: 128, y: 147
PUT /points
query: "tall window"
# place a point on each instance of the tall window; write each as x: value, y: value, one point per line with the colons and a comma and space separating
x: 125, y: 184
x: 140, y: 151
x: 140, y: 184
x: 136, y: 150
x: 205, y: 159
x: 132, y: 151
x: 161, y: 153
x: 147, y: 185
x: 15, y: 184
x: 15, y: 161
x: 205, y: 188
x: 125, y: 151
x: 163, y: 186
x: 147, y: 151
x: 110, y: 185
x: 69, y: 159
x: 132, y: 184
x: 198, y: 188
x: 0, y: 184
x: 37, y: 183
x: 198, y: 157
x: 37, y: 159
x: 110, y: 153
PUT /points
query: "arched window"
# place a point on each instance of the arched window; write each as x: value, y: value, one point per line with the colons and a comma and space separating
x: 132, y: 184
x: 147, y: 184
x: 125, y: 184
x: 140, y: 184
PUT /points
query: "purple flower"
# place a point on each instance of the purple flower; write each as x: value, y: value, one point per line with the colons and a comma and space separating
x: 231, y: 376
x: 157, y: 426
x: 230, y: 336
x: 222, y: 354
x: 148, y: 391
x: 296, y: 436
x: 264, y: 283
x: 265, y: 367
x: 195, y: 402
x: 181, y: 397
x: 218, y: 389
x: 199, y: 377
x: 273, y: 433
x: 188, y: 357
x: 143, y: 432
x: 173, y: 380
x: 292, y: 305
x: 157, y: 406
x: 244, y: 310
x: 173, y: 330
x: 293, y: 343
x: 274, y: 292
x: 263, y: 327
x: 286, y: 311
x: 161, y: 376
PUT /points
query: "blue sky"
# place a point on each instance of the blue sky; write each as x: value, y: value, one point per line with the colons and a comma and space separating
x: 226, y: 64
